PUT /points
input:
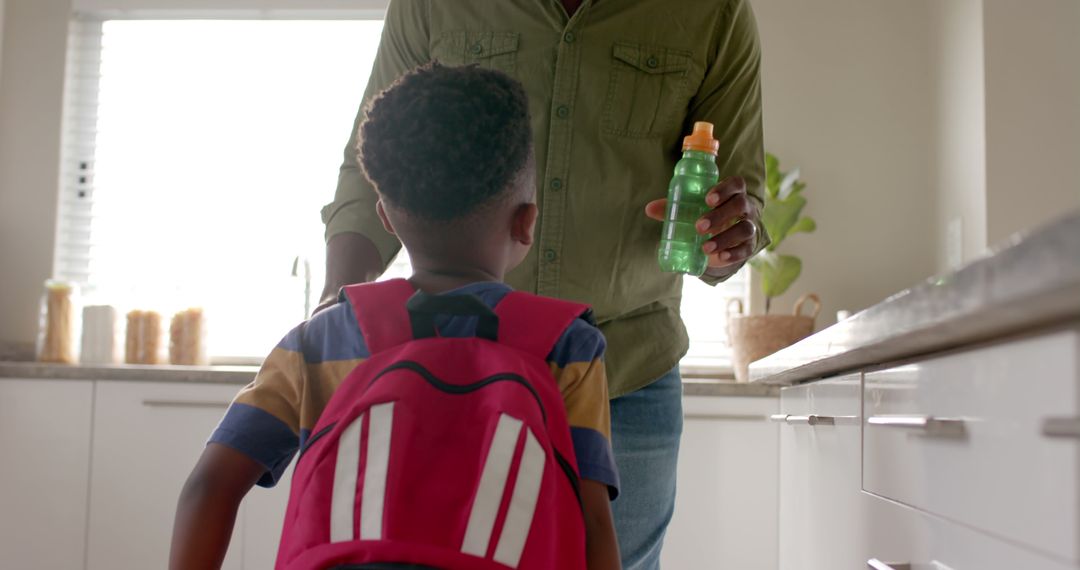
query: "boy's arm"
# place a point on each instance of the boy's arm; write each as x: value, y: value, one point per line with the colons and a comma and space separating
x: 601, y: 547
x: 207, y: 507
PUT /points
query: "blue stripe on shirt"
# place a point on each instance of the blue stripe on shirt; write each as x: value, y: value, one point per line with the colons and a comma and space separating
x: 595, y: 458
x: 581, y: 342
x: 332, y: 334
x: 272, y: 446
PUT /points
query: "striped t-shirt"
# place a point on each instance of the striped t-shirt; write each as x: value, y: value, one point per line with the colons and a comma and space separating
x: 272, y: 417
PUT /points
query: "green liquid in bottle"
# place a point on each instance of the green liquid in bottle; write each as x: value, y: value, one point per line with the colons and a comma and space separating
x: 680, y: 244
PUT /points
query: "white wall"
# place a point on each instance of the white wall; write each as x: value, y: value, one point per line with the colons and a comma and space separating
x: 960, y: 135
x: 31, y: 93
x: 1032, y: 112
x: 2, y: 3
x: 848, y: 98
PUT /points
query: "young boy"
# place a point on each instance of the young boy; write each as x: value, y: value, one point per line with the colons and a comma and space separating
x: 449, y: 151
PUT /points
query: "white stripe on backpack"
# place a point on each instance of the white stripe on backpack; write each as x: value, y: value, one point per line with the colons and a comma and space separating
x: 519, y: 516
x: 347, y: 471
x: 378, y: 460
x: 492, y: 486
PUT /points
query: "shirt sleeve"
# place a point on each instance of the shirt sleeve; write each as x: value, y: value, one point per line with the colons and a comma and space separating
x: 577, y: 362
x: 263, y: 421
x: 404, y: 45
x: 730, y: 99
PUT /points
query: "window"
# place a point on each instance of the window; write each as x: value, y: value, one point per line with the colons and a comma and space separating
x: 197, y: 156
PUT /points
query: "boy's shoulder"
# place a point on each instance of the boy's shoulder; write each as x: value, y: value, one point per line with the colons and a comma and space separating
x: 331, y: 334
x: 582, y: 341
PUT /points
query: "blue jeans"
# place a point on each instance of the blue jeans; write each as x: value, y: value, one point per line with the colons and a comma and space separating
x: 645, y: 429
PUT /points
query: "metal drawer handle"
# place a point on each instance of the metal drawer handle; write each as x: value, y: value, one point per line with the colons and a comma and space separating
x: 184, y: 404
x: 1061, y: 427
x: 928, y: 425
x: 875, y: 564
x: 812, y: 419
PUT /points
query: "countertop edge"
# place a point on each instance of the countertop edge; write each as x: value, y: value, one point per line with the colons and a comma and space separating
x: 241, y: 375
x: 991, y: 298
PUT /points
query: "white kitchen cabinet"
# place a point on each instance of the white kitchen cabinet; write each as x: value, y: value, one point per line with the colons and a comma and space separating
x: 820, y: 475
x: 45, y: 438
x: 960, y: 436
x: 146, y: 438
x: 725, y: 506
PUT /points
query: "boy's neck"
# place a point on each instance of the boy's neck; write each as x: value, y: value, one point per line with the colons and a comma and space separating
x: 434, y: 281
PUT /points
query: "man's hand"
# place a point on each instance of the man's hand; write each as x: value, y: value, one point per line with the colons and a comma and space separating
x: 731, y: 221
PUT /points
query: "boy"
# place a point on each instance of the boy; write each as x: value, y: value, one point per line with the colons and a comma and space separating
x: 450, y: 153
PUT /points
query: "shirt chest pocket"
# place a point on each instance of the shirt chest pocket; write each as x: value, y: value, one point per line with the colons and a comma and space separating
x: 647, y: 92
x: 492, y: 50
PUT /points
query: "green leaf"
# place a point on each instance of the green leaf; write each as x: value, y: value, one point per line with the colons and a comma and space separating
x: 790, y: 179
x: 778, y: 272
x: 796, y: 188
x: 772, y: 175
x: 779, y: 216
x: 805, y: 224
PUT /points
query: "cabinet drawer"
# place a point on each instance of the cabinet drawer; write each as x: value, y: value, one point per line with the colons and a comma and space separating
x: 899, y: 537
x: 961, y: 436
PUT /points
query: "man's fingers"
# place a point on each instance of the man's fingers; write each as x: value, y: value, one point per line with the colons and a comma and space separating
x: 724, y: 190
x: 737, y: 234
x: 732, y: 256
x: 718, y: 219
x: 732, y: 246
x: 656, y: 209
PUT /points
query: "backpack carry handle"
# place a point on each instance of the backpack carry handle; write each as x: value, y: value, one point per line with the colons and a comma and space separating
x: 423, y: 309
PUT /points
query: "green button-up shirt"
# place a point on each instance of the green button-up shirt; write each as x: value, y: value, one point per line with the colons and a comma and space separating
x: 612, y: 91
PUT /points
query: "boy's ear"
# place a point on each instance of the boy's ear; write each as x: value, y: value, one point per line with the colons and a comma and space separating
x: 385, y: 220
x: 524, y: 222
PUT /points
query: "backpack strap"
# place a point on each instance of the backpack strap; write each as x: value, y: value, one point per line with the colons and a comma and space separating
x: 534, y: 324
x: 381, y: 313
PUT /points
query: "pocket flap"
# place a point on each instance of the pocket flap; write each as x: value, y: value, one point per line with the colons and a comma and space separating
x: 651, y: 58
x: 483, y: 45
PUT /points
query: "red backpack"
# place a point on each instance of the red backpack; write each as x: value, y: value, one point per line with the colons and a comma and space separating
x: 448, y: 453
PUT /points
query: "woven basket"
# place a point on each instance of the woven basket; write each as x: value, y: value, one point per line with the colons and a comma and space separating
x: 753, y: 337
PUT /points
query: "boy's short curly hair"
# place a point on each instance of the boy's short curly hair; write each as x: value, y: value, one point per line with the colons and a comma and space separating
x: 442, y: 142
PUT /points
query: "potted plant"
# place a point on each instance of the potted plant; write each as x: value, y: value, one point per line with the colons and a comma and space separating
x: 755, y: 336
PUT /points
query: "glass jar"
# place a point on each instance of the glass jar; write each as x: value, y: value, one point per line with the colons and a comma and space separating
x: 59, y: 323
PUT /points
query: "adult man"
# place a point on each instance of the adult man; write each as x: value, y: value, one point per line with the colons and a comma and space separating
x: 613, y: 86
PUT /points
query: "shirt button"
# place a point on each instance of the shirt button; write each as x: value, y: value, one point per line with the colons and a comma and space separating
x: 550, y: 255
x: 562, y: 111
x: 652, y: 61
x: 477, y: 48
x: 568, y: 37
x: 556, y: 184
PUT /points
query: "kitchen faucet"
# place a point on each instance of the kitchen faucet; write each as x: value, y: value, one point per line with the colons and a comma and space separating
x: 307, y: 281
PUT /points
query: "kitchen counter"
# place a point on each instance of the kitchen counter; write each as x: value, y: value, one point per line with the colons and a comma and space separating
x: 241, y: 375
x: 1031, y: 282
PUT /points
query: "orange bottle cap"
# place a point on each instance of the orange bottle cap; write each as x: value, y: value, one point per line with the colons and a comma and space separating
x: 701, y: 139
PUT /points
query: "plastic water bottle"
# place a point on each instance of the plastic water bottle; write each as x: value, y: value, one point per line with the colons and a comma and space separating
x: 680, y: 243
